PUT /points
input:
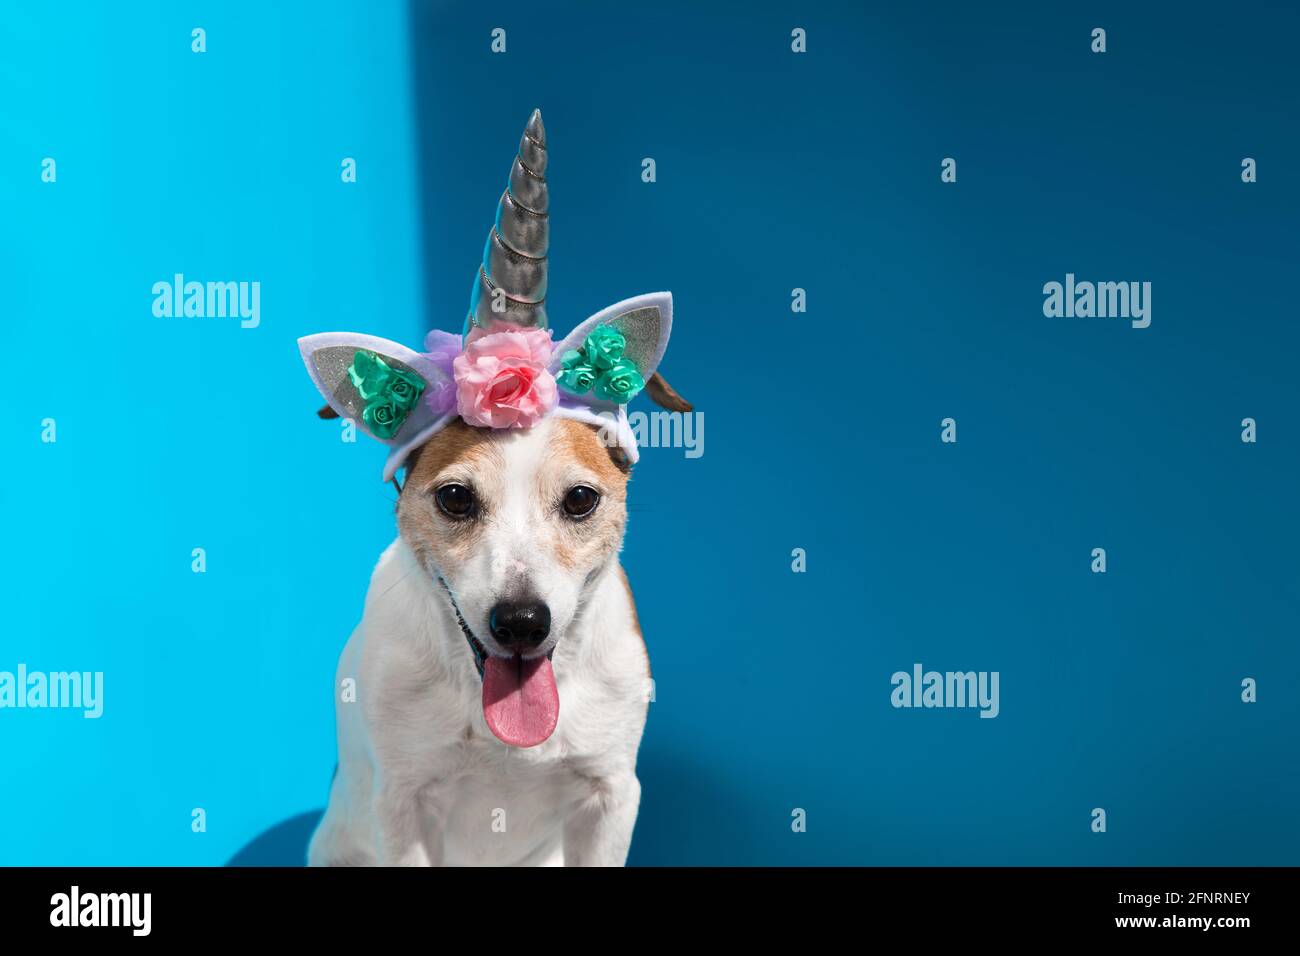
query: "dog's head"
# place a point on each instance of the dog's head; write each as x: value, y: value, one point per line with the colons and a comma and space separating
x: 515, y: 525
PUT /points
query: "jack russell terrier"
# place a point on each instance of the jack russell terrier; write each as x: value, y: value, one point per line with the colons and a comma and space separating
x: 491, y: 702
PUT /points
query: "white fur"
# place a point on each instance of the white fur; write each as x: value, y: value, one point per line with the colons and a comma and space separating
x: 421, y: 780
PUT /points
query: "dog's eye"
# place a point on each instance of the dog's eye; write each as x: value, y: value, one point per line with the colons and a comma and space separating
x: 580, y: 501
x: 456, y: 501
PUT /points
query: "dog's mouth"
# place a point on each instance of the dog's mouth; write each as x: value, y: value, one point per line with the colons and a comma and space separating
x: 521, y: 703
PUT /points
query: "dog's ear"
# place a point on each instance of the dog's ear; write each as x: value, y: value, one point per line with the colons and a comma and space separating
x: 391, y: 392
x: 665, y: 396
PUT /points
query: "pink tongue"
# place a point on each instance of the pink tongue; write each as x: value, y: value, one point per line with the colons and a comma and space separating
x: 520, y: 702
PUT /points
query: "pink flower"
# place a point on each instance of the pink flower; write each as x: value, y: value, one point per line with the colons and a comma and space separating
x: 501, y: 378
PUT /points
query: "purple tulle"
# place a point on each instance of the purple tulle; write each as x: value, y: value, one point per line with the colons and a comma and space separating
x: 441, y: 348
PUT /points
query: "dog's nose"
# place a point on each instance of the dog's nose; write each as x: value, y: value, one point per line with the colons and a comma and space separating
x: 521, y: 625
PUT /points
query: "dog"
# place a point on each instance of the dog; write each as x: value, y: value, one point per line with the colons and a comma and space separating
x: 491, y: 702
x: 519, y: 533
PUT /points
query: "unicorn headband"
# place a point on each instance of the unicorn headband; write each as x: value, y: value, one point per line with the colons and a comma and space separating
x: 504, y: 371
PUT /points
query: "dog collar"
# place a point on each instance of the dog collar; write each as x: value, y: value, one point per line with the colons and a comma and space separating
x: 476, y: 648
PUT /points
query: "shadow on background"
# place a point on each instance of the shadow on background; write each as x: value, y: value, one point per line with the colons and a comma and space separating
x: 285, y: 844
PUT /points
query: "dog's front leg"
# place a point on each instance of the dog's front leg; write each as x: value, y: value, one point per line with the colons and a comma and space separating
x: 600, y: 831
x: 405, y: 836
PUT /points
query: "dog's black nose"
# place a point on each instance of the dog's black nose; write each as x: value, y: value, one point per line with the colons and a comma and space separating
x: 520, y: 626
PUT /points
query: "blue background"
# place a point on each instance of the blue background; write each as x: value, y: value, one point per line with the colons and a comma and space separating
x: 775, y: 171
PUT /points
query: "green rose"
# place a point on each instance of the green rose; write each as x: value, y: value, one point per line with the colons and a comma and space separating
x: 383, y: 418
x: 403, y: 391
x: 577, y: 375
x: 604, y: 346
x: 390, y: 393
x: 620, y: 384
x: 579, y: 378
x: 369, y: 373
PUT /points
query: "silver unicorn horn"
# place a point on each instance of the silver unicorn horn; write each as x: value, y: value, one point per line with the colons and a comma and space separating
x: 511, y: 282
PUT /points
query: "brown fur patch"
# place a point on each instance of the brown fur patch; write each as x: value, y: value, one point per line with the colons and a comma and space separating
x: 603, y: 530
x: 582, y: 441
x: 416, y: 518
x: 456, y: 442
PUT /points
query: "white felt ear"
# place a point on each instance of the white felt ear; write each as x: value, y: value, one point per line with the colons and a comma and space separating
x: 645, y: 321
x: 329, y: 355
